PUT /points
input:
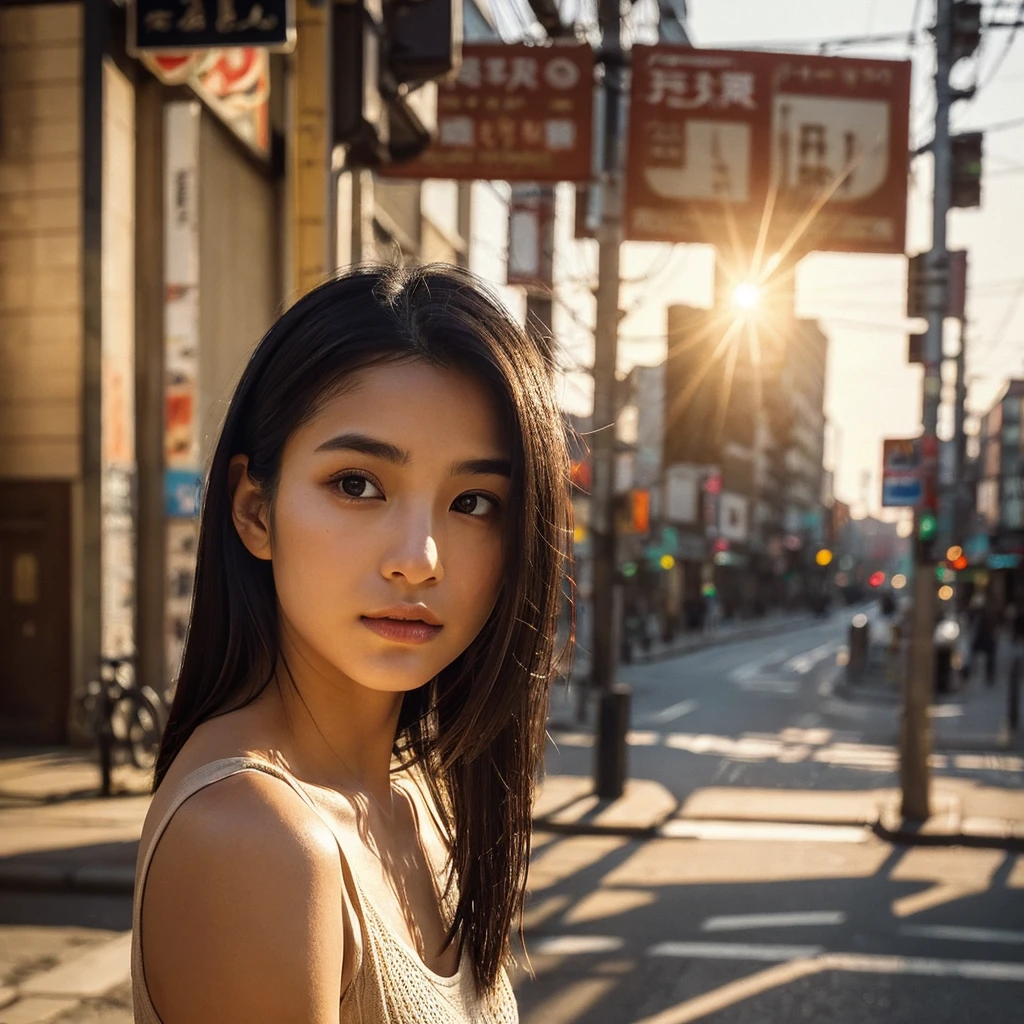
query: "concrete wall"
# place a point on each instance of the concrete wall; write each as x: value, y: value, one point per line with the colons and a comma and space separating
x: 40, y: 241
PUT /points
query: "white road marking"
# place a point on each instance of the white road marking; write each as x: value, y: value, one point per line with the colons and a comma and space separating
x: 770, y: 953
x: 862, y: 963
x: 669, y: 714
x: 962, y: 934
x: 568, y: 945
x: 767, y: 684
x: 981, y: 970
x: 803, y: 663
x: 744, y: 922
x: 757, y: 831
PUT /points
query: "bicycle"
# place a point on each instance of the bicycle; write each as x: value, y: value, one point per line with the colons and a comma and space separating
x: 126, y: 720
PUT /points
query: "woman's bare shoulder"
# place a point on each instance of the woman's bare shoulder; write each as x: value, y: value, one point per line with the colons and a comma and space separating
x: 242, y: 916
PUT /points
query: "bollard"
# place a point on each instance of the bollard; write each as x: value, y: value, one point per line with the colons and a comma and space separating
x: 944, y: 640
x: 1013, y: 708
x: 860, y: 637
x: 611, y: 751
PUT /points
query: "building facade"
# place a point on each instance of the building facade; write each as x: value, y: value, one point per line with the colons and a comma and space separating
x: 147, y: 241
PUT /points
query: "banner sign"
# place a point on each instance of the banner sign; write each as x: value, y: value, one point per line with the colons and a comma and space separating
x: 515, y: 113
x: 725, y: 145
x: 902, y: 479
x: 195, y: 24
x: 531, y: 211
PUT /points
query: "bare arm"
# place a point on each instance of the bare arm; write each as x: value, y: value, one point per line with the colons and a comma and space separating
x: 242, y: 917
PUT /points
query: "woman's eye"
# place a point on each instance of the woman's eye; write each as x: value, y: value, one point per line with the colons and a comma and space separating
x: 475, y: 504
x: 355, y: 486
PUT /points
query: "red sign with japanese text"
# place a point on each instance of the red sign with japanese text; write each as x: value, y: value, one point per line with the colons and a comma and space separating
x: 809, y: 151
x: 515, y: 113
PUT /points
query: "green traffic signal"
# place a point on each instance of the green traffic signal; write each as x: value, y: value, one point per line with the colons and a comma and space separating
x: 927, y: 526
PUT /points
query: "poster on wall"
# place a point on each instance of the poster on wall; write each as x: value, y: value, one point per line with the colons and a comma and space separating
x: 182, y: 459
x: 233, y: 83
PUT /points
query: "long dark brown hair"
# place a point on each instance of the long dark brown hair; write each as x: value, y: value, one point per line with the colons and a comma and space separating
x: 477, y: 729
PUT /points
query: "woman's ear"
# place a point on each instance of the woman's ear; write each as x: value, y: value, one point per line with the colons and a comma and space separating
x: 249, y: 509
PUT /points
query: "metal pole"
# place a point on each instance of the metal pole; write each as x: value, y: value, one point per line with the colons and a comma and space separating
x: 915, y: 739
x: 609, y: 783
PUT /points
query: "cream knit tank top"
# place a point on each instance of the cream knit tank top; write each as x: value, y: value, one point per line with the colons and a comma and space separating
x: 390, y: 983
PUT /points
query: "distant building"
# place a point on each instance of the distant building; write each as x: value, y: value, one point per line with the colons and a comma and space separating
x: 1000, y: 494
x: 745, y: 411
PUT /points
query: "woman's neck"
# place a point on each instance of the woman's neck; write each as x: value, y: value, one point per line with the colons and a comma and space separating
x: 340, y: 733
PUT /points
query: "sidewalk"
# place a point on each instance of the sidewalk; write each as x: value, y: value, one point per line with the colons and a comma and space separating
x: 972, y: 717
x: 57, y: 833
x: 963, y: 813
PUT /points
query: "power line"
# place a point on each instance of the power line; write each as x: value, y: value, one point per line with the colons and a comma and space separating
x: 1006, y: 47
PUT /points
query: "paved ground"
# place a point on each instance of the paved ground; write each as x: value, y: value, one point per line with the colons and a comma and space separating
x: 781, y: 905
x: 846, y: 930
x: 764, y: 897
x: 772, y: 713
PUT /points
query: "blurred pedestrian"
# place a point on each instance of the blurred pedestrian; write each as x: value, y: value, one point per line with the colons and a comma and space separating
x: 981, y: 629
x: 342, y: 813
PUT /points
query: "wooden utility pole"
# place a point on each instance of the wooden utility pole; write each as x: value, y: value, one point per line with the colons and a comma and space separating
x: 915, y: 727
x: 309, y: 236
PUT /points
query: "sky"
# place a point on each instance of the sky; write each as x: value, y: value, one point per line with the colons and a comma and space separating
x: 871, y: 393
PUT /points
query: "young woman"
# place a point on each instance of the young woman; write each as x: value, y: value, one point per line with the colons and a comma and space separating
x: 340, y: 830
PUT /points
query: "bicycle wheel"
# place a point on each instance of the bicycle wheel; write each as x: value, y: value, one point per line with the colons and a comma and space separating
x: 136, y: 726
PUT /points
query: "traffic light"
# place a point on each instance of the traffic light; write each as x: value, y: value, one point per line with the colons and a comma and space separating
x: 966, y: 187
x: 823, y: 557
x: 384, y: 54
x: 927, y: 527
x: 876, y: 579
x: 424, y: 40
x: 359, y: 114
x: 916, y: 300
x: 965, y: 28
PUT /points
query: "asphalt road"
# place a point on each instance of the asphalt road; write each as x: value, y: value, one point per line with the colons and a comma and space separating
x: 829, y: 924
x: 762, y: 713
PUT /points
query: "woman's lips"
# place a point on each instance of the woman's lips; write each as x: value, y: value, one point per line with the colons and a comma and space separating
x: 402, y: 631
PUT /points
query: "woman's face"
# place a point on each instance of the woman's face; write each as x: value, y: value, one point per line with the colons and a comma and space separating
x: 386, y: 529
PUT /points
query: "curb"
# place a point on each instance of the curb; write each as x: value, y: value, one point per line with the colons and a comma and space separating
x: 39, y: 876
x: 717, y: 640
x: 909, y: 835
x: 906, y: 835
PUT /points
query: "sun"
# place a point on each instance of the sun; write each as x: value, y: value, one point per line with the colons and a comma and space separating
x: 746, y: 296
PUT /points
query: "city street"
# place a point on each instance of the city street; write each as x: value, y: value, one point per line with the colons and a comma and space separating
x: 742, y: 921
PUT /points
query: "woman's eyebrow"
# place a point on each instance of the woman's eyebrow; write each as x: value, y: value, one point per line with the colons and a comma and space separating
x: 367, y: 446
x: 374, y: 447
x: 474, y: 467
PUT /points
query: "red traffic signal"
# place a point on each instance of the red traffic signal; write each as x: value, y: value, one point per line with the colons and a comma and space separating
x: 876, y: 579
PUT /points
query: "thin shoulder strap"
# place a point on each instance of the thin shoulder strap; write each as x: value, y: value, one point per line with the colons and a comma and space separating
x: 202, y: 777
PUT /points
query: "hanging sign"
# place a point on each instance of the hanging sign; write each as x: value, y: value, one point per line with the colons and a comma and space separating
x: 902, y: 477
x: 515, y: 113
x: 794, y: 150
x: 198, y: 24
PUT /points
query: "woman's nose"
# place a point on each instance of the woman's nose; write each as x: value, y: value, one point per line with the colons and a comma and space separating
x: 415, y: 554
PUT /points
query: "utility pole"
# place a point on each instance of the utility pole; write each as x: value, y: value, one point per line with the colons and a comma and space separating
x: 613, y: 707
x: 915, y: 730
x: 960, y: 499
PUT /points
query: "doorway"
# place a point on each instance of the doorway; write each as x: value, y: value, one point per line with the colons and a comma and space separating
x: 35, y: 611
